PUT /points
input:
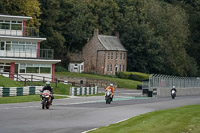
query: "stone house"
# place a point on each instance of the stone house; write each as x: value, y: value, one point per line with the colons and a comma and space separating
x: 104, y: 55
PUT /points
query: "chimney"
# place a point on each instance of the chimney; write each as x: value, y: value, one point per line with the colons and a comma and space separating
x: 96, y: 32
x: 117, y: 34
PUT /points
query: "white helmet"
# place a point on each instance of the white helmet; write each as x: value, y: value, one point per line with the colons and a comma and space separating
x: 111, y: 85
x: 173, y: 87
x: 47, y: 83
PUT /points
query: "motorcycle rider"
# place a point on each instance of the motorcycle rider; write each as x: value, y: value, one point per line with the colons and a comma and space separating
x: 173, y: 88
x: 111, y: 87
x: 48, y: 87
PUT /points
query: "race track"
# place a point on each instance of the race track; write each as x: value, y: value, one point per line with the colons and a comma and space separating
x: 79, y: 114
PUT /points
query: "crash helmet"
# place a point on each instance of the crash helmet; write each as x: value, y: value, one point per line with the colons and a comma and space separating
x: 111, y: 85
x: 47, y: 83
x: 173, y: 87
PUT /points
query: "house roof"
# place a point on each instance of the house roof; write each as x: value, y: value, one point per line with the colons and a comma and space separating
x: 111, y: 42
x: 22, y: 38
x: 11, y: 17
x: 28, y: 60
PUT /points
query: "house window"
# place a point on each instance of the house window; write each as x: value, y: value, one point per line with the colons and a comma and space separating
x: 109, y: 55
x: 35, y: 68
x: 45, y: 70
x: 111, y: 67
x: 120, y: 55
x: 116, y: 56
x: 124, y: 56
x: 16, y: 27
x: 5, y: 67
x: 120, y: 67
x: 112, y: 55
x: 123, y: 67
x: 32, y: 70
x: 107, y: 68
x: 82, y: 67
x: 2, y: 45
x: 5, y: 26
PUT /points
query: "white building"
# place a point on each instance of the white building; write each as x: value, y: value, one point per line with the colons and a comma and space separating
x: 20, y: 52
x: 76, y: 67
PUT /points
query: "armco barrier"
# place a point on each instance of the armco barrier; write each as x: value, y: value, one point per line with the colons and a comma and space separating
x: 74, y: 91
x: 19, y: 91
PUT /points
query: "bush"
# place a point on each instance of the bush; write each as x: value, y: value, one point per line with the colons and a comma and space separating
x: 133, y: 75
x: 60, y: 69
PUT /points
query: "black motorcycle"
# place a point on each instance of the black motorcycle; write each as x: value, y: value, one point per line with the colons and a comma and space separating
x: 107, y: 97
x: 173, y: 94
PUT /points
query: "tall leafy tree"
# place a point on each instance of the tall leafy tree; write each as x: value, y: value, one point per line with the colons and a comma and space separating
x: 50, y: 27
x: 22, y: 8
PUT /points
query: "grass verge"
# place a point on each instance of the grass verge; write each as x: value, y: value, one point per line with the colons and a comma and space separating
x: 122, y: 83
x: 22, y: 99
x: 6, y: 82
x: 180, y: 120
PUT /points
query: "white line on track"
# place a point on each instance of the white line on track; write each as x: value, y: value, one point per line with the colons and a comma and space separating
x: 106, y: 125
x: 19, y: 107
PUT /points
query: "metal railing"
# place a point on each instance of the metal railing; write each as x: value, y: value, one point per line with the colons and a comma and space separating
x: 25, y: 32
x: 29, y: 78
x: 167, y: 81
x: 28, y: 53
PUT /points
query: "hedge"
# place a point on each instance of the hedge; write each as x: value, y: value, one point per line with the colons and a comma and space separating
x: 133, y: 75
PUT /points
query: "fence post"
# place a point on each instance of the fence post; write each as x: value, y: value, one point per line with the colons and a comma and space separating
x: 56, y: 82
x: 43, y: 79
x: 25, y: 82
x: 31, y: 78
x: 17, y: 77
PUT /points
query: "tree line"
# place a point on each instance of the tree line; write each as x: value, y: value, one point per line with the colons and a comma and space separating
x: 161, y: 36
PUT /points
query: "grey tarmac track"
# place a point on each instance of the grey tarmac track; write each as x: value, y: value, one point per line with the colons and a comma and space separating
x: 79, y: 114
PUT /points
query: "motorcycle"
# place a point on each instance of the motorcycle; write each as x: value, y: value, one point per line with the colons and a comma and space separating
x: 46, y: 99
x: 173, y: 94
x: 107, y: 97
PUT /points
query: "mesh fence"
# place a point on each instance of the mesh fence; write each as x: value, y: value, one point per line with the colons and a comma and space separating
x: 166, y: 81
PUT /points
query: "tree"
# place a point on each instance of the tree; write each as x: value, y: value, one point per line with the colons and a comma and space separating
x: 50, y: 28
x: 23, y: 8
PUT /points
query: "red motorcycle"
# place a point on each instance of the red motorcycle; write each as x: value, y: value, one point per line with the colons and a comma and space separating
x: 46, y: 99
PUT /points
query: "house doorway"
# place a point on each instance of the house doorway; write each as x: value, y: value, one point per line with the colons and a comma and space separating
x: 116, y: 69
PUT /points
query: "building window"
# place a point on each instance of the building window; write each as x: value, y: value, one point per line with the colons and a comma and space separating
x: 45, y: 70
x: 35, y: 68
x: 116, y: 56
x: 112, y: 55
x: 2, y: 45
x: 111, y: 67
x: 82, y: 67
x: 4, y: 67
x: 107, y: 68
x: 123, y: 67
x: 120, y: 55
x: 109, y: 55
x: 32, y: 70
x: 120, y: 67
x: 124, y: 56
x: 4, y: 26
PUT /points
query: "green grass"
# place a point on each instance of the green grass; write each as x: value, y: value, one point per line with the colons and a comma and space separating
x: 180, y: 120
x: 22, y: 99
x: 6, y: 82
x: 62, y: 89
x: 122, y: 83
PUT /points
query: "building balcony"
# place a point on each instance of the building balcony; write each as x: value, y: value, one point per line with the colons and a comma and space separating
x: 18, y: 31
x: 28, y: 53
